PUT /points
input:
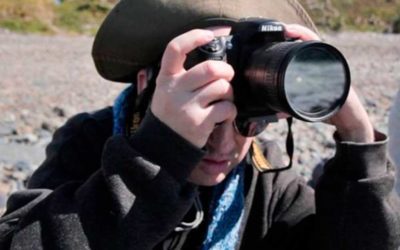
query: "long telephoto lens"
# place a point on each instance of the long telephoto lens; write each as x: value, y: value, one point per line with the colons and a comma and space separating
x: 309, y: 80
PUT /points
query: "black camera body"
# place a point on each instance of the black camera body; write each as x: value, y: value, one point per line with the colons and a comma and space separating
x: 308, y: 80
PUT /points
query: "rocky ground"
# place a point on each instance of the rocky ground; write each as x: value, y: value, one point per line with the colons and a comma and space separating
x: 45, y: 80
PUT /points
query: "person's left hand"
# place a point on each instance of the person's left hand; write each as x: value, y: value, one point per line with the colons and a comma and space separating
x: 351, y: 121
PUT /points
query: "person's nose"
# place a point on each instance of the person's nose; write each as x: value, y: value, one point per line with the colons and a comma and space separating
x: 221, y: 139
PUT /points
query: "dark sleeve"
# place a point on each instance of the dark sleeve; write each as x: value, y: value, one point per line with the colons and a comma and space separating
x: 355, y: 206
x: 137, y: 197
x: 75, y: 150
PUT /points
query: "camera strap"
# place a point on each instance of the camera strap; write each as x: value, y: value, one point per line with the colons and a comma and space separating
x: 289, y: 142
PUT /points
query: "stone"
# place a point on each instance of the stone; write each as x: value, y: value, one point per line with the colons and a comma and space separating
x: 59, y: 111
x: 7, y: 128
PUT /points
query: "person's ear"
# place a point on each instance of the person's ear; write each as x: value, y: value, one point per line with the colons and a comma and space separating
x: 141, y: 81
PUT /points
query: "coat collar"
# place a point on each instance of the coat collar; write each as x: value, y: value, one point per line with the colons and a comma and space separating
x: 265, y: 156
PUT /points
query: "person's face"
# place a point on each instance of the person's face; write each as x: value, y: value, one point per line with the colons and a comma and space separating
x: 225, y: 149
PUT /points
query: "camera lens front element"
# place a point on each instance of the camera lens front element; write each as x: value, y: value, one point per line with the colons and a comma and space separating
x: 316, y: 81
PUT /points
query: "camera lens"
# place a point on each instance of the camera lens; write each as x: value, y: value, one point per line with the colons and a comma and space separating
x: 308, y: 80
x: 315, y: 81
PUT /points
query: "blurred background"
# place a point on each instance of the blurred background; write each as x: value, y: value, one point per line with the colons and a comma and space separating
x: 47, y: 74
x: 84, y: 16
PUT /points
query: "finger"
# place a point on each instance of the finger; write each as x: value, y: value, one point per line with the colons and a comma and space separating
x: 282, y: 115
x: 175, y: 53
x: 297, y: 31
x: 222, y: 111
x: 204, y: 73
x: 213, y: 92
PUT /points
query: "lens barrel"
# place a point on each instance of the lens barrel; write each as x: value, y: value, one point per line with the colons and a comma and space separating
x: 308, y: 80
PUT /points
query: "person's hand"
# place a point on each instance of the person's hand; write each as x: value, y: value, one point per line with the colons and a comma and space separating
x: 351, y: 121
x: 191, y: 102
x: 296, y: 31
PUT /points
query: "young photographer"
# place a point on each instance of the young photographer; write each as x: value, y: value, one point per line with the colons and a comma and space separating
x: 170, y: 166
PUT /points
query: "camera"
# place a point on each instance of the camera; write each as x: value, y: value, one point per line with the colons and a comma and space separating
x: 309, y: 80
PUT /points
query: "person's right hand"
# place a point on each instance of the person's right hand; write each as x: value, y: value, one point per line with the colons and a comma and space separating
x: 191, y: 102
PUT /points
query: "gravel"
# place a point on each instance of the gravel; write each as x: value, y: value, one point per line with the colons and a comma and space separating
x: 47, y: 79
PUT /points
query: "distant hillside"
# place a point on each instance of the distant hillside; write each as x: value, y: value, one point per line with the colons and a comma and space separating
x: 363, y: 15
x: 54, y: 16
x: 84, y: 16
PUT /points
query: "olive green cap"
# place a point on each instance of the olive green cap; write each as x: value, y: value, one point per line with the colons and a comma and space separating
x: 136, y: 32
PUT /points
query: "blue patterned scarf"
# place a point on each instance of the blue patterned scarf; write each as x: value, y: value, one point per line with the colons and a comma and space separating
x: 122, y: 104
x: 227, y: 209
